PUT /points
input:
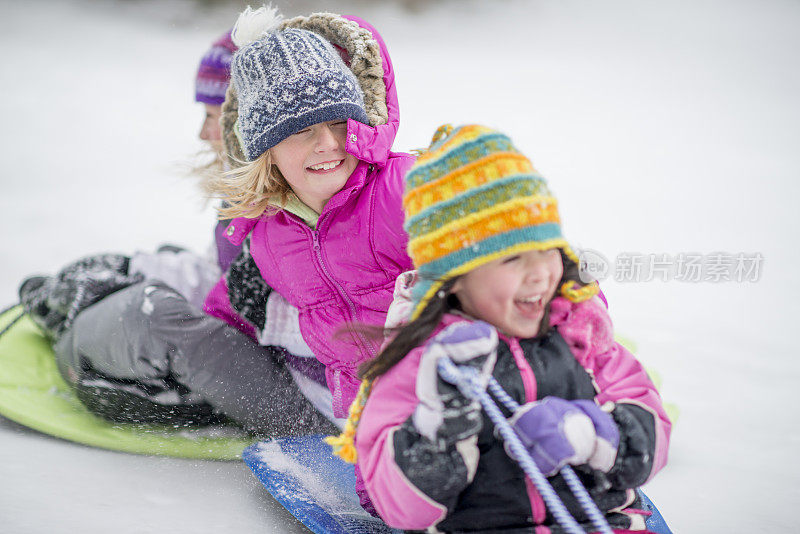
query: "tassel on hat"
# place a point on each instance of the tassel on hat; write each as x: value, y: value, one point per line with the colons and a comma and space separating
x: 253, y: 24
x: 344, y: 444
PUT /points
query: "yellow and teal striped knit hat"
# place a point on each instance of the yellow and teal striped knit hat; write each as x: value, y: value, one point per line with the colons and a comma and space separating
x: 471, y: 198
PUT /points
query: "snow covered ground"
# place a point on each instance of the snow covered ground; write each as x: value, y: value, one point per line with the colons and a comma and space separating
x: 663, y: 128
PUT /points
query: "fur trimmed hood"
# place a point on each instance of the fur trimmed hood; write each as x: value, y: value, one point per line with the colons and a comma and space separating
x: 369, y: 60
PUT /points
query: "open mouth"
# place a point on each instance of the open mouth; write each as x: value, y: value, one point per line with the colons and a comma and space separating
x: 326, y: 166
x: 531, y: 307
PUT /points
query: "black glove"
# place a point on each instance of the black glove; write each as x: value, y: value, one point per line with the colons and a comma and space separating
x: 444, y: 415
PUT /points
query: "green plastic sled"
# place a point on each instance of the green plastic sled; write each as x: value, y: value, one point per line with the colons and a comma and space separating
x: 33, y: 394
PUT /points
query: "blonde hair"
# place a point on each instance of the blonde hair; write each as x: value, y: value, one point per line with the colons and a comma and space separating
x: 205, y: 166
x: 250, y: 188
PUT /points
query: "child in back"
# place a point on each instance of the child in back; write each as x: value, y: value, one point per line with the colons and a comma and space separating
x: 90, y: 350
x: 211, y: 84
x: 498, y: 290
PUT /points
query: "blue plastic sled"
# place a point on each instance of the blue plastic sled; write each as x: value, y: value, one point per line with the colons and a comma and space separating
x: 315, y: 486
x: 302, y: 474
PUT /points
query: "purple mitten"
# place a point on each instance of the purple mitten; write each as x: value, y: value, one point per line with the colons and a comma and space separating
x: 607, y: 436
x: 557, y: 432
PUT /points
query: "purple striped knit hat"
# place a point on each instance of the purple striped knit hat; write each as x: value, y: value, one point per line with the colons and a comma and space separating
x: 214, y: 73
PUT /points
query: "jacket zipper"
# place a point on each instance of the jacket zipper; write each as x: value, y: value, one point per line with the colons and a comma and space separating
x: 340, y: 289
x: 529, y: 386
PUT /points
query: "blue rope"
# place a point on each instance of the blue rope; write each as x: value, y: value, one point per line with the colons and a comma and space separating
x: 466, y: 378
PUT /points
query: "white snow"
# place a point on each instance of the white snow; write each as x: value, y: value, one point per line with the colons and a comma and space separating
x: 313, y: 487
x: 662, y: 127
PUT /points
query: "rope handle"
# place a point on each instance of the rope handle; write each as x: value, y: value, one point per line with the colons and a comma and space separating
x: 14, y: 321
x: 467, y: 380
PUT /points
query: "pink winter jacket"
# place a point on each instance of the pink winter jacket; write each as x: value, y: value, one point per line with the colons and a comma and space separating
x: 587, y: 330
x: 344, y: 271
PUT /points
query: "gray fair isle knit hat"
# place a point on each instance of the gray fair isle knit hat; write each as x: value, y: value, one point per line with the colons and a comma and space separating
x: 286, y: 81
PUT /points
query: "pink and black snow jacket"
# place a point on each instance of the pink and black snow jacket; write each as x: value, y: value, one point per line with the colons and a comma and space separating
x: 343, y: 271
x: 414, y: 486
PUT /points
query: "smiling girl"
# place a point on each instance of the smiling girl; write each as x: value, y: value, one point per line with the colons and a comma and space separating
x: 315, y: 194
x: 498, y: 289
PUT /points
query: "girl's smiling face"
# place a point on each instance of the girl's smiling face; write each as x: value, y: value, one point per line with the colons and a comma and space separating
x: 314, y: 162
x: 512, y: 292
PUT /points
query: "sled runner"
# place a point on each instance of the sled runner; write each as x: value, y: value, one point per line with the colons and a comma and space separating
x: 33, y: 394
x: 318, y: 488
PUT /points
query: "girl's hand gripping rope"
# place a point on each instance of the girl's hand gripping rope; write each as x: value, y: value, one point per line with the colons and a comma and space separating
x: 469, y: 382
x: 558, y: 432
x: 444, y: 414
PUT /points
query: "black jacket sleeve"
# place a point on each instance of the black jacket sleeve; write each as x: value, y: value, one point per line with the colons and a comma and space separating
x: 636, y: 446
x: 247, y: 290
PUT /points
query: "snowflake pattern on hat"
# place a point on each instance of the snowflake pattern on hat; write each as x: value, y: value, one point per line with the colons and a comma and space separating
x: 288, y: 81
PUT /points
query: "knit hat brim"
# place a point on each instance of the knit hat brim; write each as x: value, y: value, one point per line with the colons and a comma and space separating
x: 293, y: 124
x: 205, y: 98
